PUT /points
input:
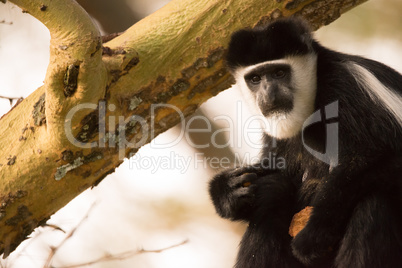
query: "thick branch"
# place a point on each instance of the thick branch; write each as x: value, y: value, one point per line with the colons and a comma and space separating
x: 76, y: 73
x: 54, y: 146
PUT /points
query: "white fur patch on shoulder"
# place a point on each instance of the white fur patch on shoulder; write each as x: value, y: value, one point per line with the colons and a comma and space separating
x: 379, y: 93
x: 303, y: 81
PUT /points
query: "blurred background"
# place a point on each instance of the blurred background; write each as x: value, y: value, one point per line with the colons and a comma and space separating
x: 158, y: 198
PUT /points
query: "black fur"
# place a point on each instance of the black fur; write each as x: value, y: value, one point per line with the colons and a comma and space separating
x: 248, y: 47
x: 357, y: 216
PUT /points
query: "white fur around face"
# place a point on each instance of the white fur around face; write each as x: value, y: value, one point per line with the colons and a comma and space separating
x: 303, y: 81
x: 379, y: 93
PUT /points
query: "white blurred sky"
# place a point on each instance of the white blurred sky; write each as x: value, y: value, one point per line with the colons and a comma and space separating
x: 136, y: 207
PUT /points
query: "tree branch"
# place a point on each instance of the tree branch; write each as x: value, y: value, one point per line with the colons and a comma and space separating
x: 76, y: 73
x: 94, y: 110
x: 122, y: 256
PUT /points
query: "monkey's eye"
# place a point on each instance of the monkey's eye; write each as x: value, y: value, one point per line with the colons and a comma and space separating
x: 255, y: 79
x: 279, y: 73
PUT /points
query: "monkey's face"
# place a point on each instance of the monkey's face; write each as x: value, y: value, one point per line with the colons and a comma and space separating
x: 281, y: 91
x: 270, y: 87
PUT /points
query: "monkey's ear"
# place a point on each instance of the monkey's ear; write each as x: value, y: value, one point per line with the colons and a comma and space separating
x: 307, y: 39
x: 302, y: 25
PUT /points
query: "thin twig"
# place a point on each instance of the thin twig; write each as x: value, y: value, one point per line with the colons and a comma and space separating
x: 38, y: 232
x: 53, y: 250
x: 10, y: 99
x: 122, y: 256
x: 6, y: 22
x: 55, y: 227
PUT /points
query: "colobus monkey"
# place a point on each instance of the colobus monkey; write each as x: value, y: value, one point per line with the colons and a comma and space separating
x: 306, y: 93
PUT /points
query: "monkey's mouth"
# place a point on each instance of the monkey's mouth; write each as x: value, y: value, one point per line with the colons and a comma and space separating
x: 276, y: 107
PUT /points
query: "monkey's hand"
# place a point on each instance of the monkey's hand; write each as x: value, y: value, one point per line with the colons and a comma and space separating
x: 233, y: 193
x: 237, y: 192
x: 315, y: 244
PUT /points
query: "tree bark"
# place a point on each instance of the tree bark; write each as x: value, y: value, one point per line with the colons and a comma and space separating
x: 101, y: 102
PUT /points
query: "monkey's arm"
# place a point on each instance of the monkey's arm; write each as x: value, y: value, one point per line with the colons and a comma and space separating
x: 335, y: 202
x: 240, y: 193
